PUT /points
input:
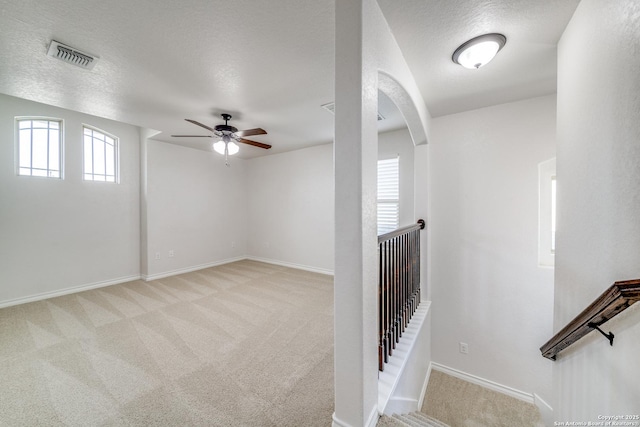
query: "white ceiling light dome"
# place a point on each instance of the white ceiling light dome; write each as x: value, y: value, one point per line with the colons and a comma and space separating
x: 479, y: 51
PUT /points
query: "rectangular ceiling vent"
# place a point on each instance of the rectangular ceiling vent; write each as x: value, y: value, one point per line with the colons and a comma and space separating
x: 331, y: 107
x: 71, y: 55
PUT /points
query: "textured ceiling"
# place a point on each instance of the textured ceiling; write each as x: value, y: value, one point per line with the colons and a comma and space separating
x: 269, y: 64
x: 429, y: 31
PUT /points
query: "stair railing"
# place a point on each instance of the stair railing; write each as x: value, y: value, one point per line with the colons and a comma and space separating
x: 617, y: 298
x: 398, y: 285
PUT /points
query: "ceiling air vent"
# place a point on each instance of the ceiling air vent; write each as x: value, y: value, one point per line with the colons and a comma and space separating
x: 331, y: 107
x: 71, y: 55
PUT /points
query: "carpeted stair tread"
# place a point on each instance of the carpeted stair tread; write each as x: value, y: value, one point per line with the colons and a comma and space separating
x: 415, y: 419
x: 408, y: 421
x: 426, y: 418
x: 386, y: 421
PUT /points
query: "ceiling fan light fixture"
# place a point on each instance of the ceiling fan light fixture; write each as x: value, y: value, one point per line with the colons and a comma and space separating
x: 233, y: 148
x: 219, y: 147
x: 226, y: 147
x: 479, y: 51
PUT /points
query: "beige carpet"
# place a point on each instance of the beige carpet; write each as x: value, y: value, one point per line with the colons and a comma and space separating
x: 463, y: 404
x: 244, y: 344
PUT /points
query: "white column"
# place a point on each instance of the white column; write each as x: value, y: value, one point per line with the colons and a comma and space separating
x: 145, y: 134
x: 356, y: 146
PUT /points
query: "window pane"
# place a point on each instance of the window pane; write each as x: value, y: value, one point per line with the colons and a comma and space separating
x: 88, y: 157
x: 40, y: 124
x: 110, y: 158
x: 54, y: 153
x: 40, y: 147
x: 24, y: 124
x: 98, y: 157
x: 25, y: 148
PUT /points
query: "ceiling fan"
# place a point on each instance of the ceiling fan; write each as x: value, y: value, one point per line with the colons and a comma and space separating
x: 228, y: 135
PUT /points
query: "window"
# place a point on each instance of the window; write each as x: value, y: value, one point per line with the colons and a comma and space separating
x: 547, y: 213
x: 553, y: 214
x: 388, y: 195
x: 100, y: 156
x: 39, y: 147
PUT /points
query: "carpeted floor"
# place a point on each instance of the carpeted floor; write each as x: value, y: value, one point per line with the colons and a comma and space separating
x: 243, y: 344
x: 461, y: 403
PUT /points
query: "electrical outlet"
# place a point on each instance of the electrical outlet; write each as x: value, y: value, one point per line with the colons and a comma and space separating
x: 157, y: 255
x: 464, y: 348
x: 233, y: 244
x: 171, y: 253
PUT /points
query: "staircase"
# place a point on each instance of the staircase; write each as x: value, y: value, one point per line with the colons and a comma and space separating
x: 414, y: 419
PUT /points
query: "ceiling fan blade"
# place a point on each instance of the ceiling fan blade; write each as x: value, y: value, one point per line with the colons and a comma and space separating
x: 201, y: 125
x: 254, y: 143
x: 250, y: 132
x: 192, y: 136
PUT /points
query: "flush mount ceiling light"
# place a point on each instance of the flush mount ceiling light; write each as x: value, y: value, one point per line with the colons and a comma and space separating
x: 478, y: 51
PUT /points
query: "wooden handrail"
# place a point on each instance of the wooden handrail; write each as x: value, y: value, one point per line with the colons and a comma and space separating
x: 613, y: 301
x: 420, y: 224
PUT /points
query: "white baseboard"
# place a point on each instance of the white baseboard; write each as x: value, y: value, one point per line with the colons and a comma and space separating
x: 373, y: 417
x: 491, y: 385
x: 164, y: 274
x: 423, y: 393
x: 292, y: 265
x: 546, y: 411
x: 337, y: 422
x: 86, y: 287
x: 371, y: 422
x: 67, y: 291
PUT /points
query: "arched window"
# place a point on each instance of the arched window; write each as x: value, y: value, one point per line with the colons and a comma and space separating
x: 100, y: 155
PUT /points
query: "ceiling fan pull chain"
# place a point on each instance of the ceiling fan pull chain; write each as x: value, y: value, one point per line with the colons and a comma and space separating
x: 226, y: 154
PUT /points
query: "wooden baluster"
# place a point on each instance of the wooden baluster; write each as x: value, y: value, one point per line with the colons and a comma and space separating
x: 398, y: 288
x: 380, y: 310
x: 391, y: 343
x: 396, y: 293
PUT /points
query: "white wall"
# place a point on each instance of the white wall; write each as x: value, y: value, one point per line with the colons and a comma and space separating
x: 290, y: 209
x: 196, y: 207
x: 394, y: 144
x: 486, y: 286
x: 58, y: 234
x: 598, y: 175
